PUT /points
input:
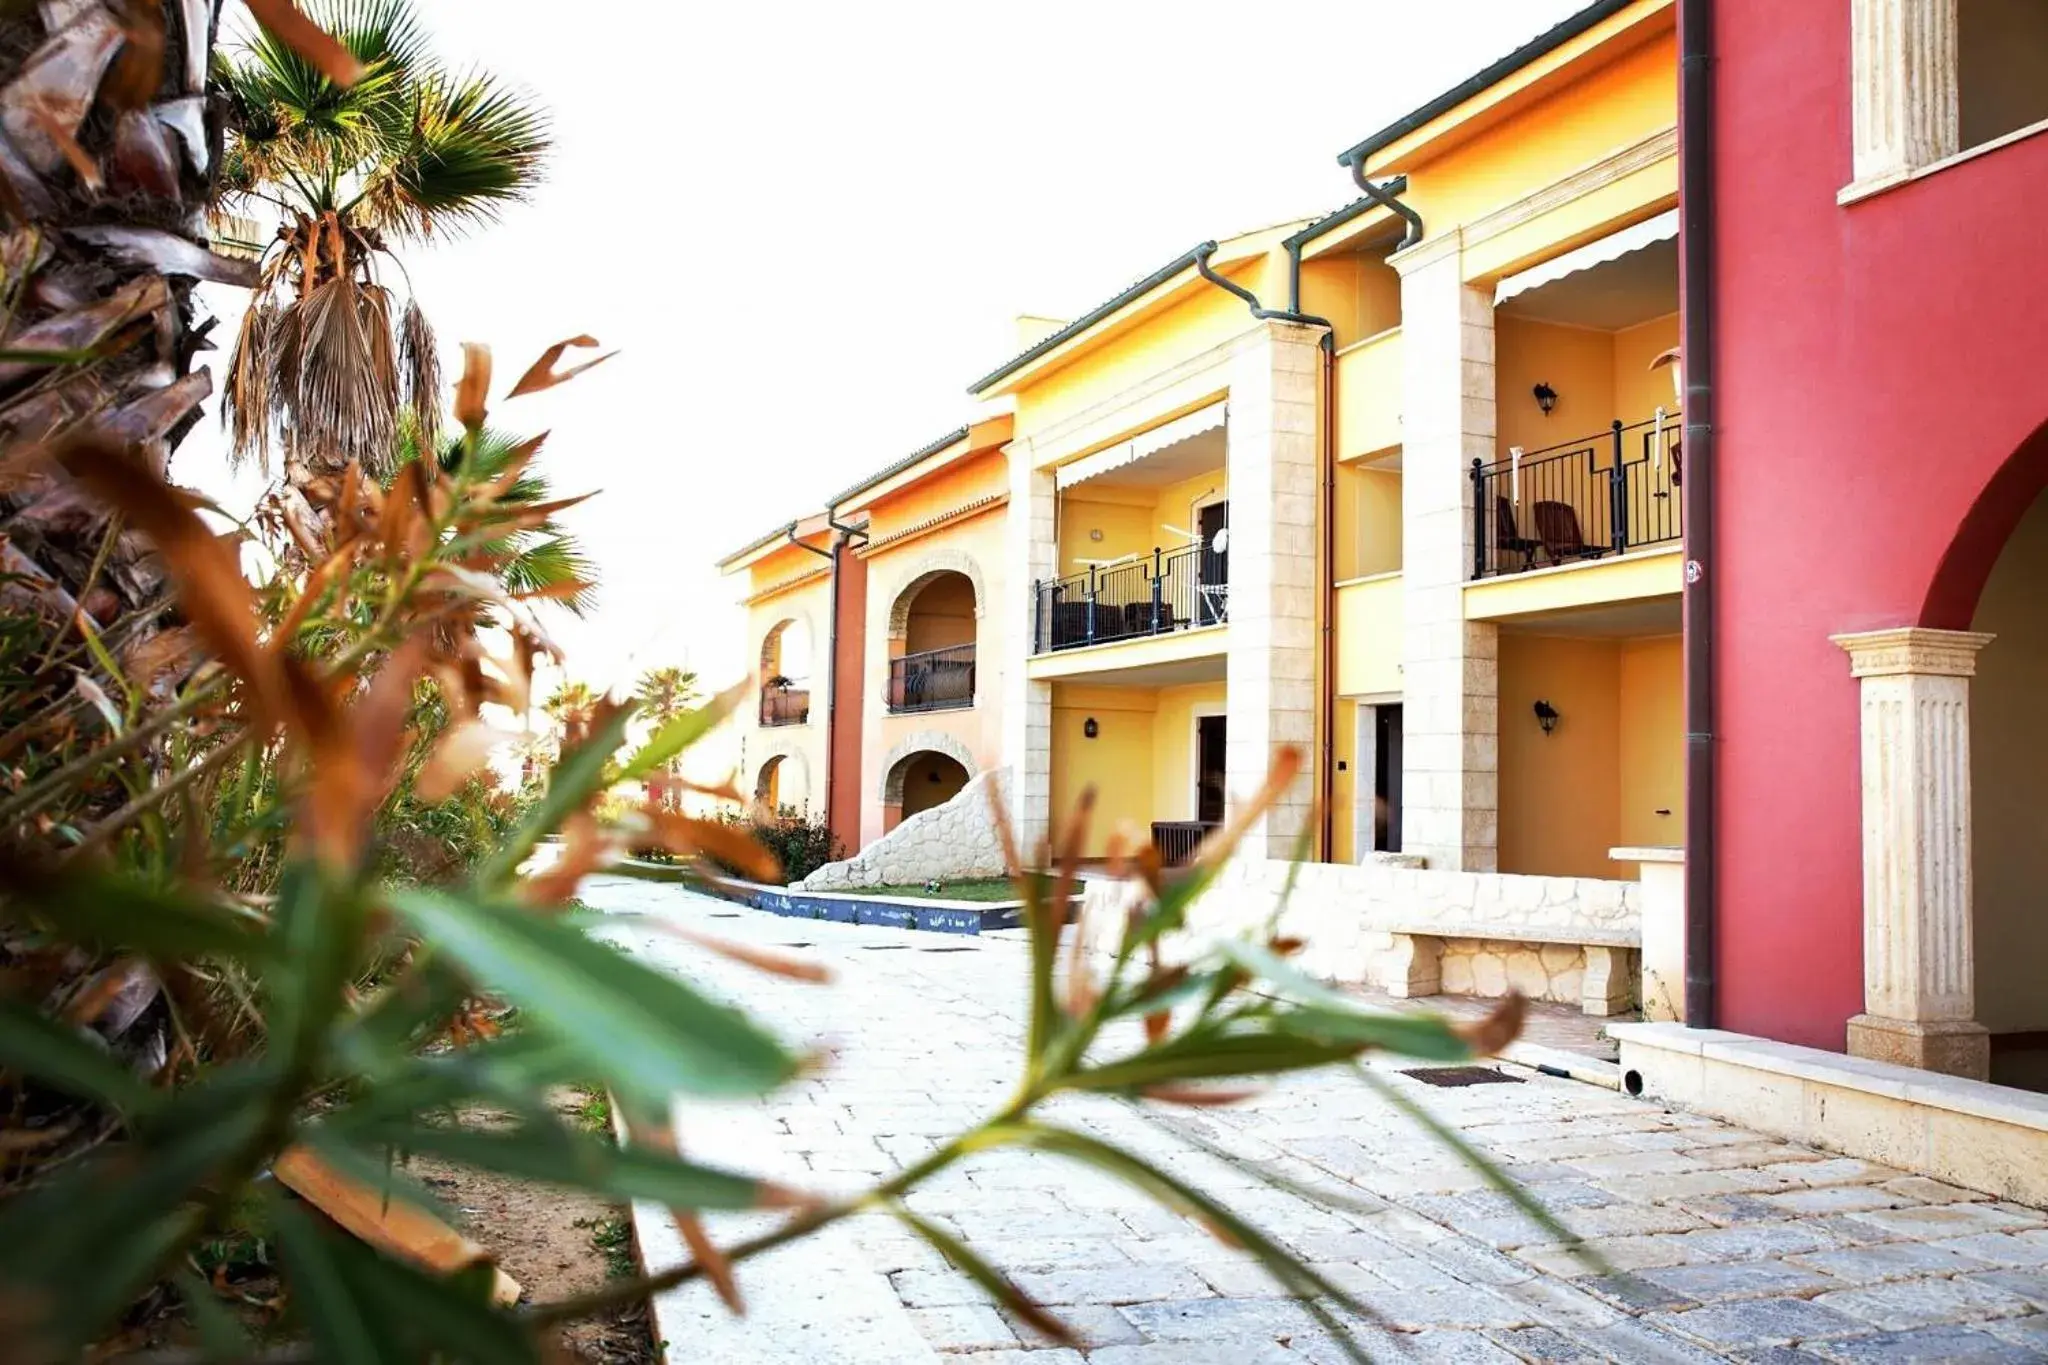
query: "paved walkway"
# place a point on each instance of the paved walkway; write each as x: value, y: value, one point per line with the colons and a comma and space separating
x: 1725, y: 1245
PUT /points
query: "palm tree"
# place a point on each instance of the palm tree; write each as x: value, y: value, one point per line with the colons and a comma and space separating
x: 325, y: 359
x: 570, y: 706
x: 665, y: 693
x: 536, y: 561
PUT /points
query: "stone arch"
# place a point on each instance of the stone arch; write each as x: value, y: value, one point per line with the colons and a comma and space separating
x: 784, y: 773
x: 773, y: 638
x: 1983, y: 532
x: 924, y: 741
x: 918, y: 575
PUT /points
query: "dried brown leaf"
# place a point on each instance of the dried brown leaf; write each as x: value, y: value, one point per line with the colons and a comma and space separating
x: 1501, y: 1026
x: 1200, y: 1097
x: 306, y: 38
x: 1217, y: 847
x: 775, y: 964
x: 462, y: 750
x: 473, y: 390
x: 543, y: 375
x: 728, y: 844
x: 585, y: 848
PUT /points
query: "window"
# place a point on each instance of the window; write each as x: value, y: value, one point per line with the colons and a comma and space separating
x: 1931, y: 79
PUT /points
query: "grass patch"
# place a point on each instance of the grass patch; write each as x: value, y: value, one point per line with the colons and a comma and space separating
x: 613, y: 1238
x: 594, y: 1110
x: 969, y: 889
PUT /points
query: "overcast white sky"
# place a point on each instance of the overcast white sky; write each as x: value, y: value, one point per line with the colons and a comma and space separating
x: 808, y: 226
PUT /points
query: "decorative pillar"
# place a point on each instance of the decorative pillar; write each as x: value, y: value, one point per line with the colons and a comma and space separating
x: 1903, y: 99
x: 1027, y: 702
x: 1270, y: 666
x: 1919, y: 973
x: 1450, y: 787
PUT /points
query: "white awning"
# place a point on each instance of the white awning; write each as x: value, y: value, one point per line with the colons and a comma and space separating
x: 1138, y: 447
x: 1662, y: 228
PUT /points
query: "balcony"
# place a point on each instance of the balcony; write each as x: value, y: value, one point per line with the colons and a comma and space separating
x: 1172, y: 590
x: 933, y: 680
x: 1584, y: 500
x: 785, y: 705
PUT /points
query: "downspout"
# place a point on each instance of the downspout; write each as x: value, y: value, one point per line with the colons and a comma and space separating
x: 1386, y: 200
x: 831, y: 655
x: 1326, y: 666
x: 1696, y: 295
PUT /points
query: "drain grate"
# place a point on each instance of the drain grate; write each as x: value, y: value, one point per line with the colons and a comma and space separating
x: 725, y: 914
x: 1450, y: 1076
x: 883, y: 947
x: 947, y: 950
x: 799, y: 945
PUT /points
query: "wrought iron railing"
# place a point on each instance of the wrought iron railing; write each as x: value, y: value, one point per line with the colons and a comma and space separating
x: 1604, y: 495
x: 932, y: 680
x: 1169, y: 590
x: 785, y: 705
x: 1175, y: 841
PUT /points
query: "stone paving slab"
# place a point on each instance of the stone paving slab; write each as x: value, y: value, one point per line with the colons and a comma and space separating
x: 1704, y: 1242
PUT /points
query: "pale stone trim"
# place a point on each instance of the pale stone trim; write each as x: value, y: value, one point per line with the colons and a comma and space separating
x: 912, y: 580
x: 1919, y: 971
x: 1113, y: 418
x: 1968, y: 1132
x: 1595, y: 176
x: 1904, y: 95
x: 802, y: 580
x: 1865, y: 189
x: 923, y: 741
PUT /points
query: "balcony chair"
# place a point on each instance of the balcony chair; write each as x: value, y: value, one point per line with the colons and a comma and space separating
x: 1557, y: 526
x: 1508, y: 538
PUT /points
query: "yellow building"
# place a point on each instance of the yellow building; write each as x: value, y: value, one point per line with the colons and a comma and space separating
x: 1396, y: 486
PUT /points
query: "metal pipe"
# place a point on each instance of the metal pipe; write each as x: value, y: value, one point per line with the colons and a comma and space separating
x: 1386, y: 201
x: 1696, y: 296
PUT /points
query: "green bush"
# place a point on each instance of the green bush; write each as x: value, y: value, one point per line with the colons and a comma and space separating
x: 801, y: 844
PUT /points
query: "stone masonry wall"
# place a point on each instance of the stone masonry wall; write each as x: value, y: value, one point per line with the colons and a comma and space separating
x: 947, y: 842
x: 1348, y: 918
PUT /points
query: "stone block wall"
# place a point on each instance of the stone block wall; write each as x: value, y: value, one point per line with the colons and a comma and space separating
x: 1352, y: 919
x: 947, y: 842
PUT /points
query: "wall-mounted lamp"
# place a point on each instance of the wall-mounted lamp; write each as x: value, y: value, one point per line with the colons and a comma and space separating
x: 1089, y: 729
x: 1546, y: 397
x: 1546, y: 716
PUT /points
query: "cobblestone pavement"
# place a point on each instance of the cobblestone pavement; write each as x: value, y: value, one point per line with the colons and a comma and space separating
x: 1722, y: 1244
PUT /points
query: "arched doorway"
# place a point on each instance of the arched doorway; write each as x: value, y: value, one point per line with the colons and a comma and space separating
x: 2009, y: 804
x: 932, y: 643
x: 785, y: 673
x: 768, y: 786
x: 920, y: 781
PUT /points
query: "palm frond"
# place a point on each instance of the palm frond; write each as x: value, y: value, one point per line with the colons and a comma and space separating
x: 476, y: 145
x: 419, y: 373
x: 551, y: 562
x: 341, y: 370
x: 247, y: 401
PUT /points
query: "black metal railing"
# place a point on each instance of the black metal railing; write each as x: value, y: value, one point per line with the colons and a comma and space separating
x: 1604, y: 495
x: 1171, y: 590
x: 1175, y: 841
x: 932, y: 680
x: 785, y: 705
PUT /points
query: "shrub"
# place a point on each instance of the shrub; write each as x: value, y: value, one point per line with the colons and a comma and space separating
x: 800, y: 844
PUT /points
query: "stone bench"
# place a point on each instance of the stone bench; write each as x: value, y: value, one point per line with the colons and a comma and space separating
x: 1414, y: 966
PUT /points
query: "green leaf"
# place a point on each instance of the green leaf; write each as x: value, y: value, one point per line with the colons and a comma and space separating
x: 575, y: 781
x: 221, y: 1337
x: 1295, y: 1275
x: 59, y: 1054
x: 555, y: 1154
x: 1480, y: 1162
x: 364, y: 1309
x: 636, y: 1028
x: 676, y: 734
x: 1210, y: 1055
x: 997, y: 1285
x: 113, y: 912
x: 1333, y: 1017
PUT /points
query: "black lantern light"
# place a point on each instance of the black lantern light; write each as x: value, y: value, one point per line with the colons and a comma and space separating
x: 1546, y: 397
x: 1546, y: 716
x: 1089, y: 728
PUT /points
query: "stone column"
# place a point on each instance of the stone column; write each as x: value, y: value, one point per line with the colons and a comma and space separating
x: 1270, y: 668
x: 1919, y: 973
x: 1027, y: 703
x: 1450, y: 666
x: 1903, y: 86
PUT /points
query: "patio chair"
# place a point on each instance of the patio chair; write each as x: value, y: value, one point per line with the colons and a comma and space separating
x: 1507, y: 537
x: 1557, y: 526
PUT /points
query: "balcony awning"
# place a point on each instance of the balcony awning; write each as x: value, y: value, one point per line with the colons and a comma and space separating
x: 1144, y: 443
x: 1614, y: 246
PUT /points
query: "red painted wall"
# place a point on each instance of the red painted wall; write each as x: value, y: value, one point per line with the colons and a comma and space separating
x: 1879, y: 363
x: 849, y: 643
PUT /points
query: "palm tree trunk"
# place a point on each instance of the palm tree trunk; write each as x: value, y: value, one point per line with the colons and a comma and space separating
x: 108, y: 150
